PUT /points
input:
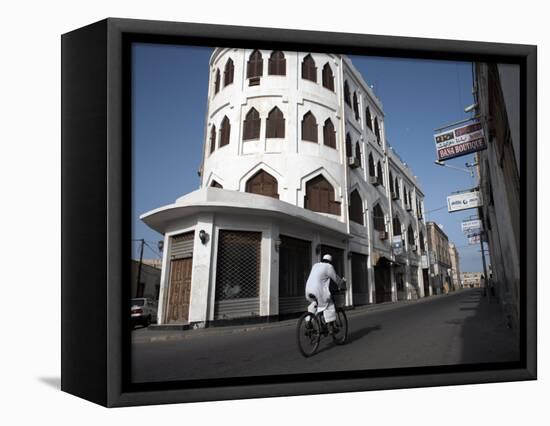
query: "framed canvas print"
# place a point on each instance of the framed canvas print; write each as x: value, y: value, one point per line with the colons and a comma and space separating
x: 253, y: 212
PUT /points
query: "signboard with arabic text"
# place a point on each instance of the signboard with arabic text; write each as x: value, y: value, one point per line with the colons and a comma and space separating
x: 471, y: 226
x: 459, y: 141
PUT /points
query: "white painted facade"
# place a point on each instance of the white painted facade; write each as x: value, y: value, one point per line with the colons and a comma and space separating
x: 292, y: 162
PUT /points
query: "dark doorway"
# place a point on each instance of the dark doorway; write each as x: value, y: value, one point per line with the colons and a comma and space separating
x: 382, y: 281
x: 359, y: 279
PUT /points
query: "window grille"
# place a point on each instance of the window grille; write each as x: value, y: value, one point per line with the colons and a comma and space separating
x: 238, y: 265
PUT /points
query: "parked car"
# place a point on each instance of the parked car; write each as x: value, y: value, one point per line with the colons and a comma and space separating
x: 143, y: 311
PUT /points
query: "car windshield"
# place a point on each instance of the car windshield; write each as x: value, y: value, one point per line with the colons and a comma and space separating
x: 137, y: 302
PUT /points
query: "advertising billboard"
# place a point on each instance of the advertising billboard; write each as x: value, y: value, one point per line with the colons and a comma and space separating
x: 463, y: 201
x: 459, y: 141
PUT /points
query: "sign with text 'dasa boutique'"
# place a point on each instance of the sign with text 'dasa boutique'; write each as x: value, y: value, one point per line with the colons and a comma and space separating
x: 459, y: 141
x: 463, y: 201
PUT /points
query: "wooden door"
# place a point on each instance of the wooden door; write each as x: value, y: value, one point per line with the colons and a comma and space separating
x: 180, y: 290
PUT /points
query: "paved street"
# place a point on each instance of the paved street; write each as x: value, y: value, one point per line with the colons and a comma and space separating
x: 442, y: 330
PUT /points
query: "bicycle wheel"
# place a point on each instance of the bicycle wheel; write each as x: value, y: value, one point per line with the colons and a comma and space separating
x: 342, y: 324
x: 308, y: 334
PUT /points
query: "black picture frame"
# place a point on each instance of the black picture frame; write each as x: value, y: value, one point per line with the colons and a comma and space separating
x: 96, y: 210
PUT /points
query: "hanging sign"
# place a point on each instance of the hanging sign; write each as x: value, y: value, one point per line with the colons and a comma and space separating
x: 424, y: 261
x: 471, y: 226
x: 397, y: 244
x: 474, y: 239
x: 459, y: 141
x: 463, y: 201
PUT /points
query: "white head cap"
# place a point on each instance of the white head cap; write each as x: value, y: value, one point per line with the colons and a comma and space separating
x: 328, y: 258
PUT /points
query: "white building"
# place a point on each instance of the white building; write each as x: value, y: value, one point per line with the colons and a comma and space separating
x: 295, y: 165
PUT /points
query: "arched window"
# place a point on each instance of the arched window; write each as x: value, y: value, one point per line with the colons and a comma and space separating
x: 356, y: 207
x: 378, y: 219
x: 225, y: 132
x: 376, y: 129
x: 254, y: 67
x: 329, y: 134
x: 217, y: 82
x: 372, y: 170
x: 349, y: 152
x: 358, y: 154
x: 263, y: 183
x: 309, y: 70
x: 396, y: 187
x: 368, y: 118
x: 421, y: 240
x: 216, y: 184
x: 410, y: 235
x: 379, y: 174
x: 251, y: 125
x: 309, y: 127
x: 392, y: 188
x: 275, y: 126
x: 355, y: 106
x: 212, y: 139
x: 277, y: 63
x: 320, y: 196
x: 347, y: 98
x: 328, y: 77
x: 396, y: 226
x: 228, y: 72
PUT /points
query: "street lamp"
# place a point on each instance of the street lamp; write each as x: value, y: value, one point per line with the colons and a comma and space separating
x: 442, y: 164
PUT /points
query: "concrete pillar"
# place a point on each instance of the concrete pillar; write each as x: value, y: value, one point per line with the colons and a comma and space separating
x: 164, y: 280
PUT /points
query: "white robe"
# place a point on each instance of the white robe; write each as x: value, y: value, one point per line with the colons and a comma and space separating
x: 318, y: 285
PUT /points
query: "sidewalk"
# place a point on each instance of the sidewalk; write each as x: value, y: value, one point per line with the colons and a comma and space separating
x: 148, y: 335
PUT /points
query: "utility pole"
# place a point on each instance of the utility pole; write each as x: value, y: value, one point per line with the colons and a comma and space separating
x: 142, y: 243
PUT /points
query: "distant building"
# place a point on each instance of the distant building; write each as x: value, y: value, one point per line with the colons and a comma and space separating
x: 497, y: 90
x: 440, y: 259
x: 149, y: 280
x: 471, y: 279
x: 455, y: 267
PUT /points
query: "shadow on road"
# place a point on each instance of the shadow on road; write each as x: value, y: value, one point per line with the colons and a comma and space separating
x: 358, y: 334
x: 485, y: 335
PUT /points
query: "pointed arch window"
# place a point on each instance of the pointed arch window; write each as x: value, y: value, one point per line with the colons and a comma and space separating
x: 309, y: 70
x: 277, y: 63
x: 376, y: 129
x: 262, y: 183
x: 347, y: 96
x: 392, y: 187
x: 254, y: 68
x: 355, y: 105
x: 212, y: 139
x: 349, y: 151
x: 421, y: 241
x: 309, y: 127
x: 396, y: 187
x: 275, y: 126
x: 228, y: 72
x: 217, y: 81
x: 372, y: 168
x: 225, y: 132
x: 396, y: 226
x: 368, y: 118
x: 378, y: 218
x: 329, y: 134
x: 328, y: 77
x: 356, y: 207
x: 251, y: 125
x: 410, y: 235
x: 320, y: 196
x: 379, y: 174
x: 358, y: 154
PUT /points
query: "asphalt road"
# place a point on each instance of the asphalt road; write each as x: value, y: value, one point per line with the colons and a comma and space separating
x: 442, y: 330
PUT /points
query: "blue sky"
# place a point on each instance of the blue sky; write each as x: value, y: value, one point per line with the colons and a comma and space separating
x: 170, y: 85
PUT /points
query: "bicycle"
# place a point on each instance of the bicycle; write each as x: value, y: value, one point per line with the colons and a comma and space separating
x: 312, y: 327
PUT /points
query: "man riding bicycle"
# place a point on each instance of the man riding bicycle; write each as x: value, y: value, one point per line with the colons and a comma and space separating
x: 318, y: 290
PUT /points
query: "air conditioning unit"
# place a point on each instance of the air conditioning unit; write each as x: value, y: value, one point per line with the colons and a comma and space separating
x: 383, y: 235
x: 353, y: 162
x: 373, y: 180
x: 394, y: 196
